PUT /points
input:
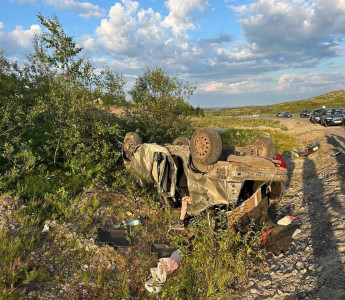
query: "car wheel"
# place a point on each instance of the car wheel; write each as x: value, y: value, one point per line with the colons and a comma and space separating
x: 265, y: 147
x: 180, y: 141
x: 205, y: 146
x: 130, y: 143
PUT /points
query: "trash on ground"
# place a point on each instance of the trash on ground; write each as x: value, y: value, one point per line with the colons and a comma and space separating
x: 115, y: 237
x: 162, y: 250
x: 279, y: 238
x: 254, y: 211
x: 336, y: 153
x: 134, y: 222
x: 309, y: 149
x: 153, y: 286
x: 45, y: 228
x: 296, y: 232
x: 286, y: 220
x: 164, y: 268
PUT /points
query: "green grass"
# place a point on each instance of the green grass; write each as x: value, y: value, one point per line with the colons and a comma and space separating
x: 331, y: 99
x: 224, y: 121
x: 214, y: 266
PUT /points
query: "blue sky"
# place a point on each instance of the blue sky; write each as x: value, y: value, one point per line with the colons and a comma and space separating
x: 236, y: 52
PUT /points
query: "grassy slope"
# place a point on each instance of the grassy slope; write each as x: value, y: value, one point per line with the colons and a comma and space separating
x: 331, y: 99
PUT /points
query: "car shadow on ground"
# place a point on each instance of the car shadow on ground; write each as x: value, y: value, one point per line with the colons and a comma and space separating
x: 330, y: 276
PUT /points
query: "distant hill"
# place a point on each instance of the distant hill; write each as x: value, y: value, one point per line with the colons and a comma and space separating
x: 331, y: 99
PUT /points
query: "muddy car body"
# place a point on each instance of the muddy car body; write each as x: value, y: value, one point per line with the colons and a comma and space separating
x: 232, y: 176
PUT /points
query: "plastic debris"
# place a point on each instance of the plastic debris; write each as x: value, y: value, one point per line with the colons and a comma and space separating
x: 115, y: 237
x: 296, y: 232
x: 336, y: 153
x: 176, y: 256
x: 134, y: 222
x: 153, y: 286
x: 45, y: 228
x: 162, y: 250
x: 309, y: 149
x: 164, y: 268
x: 264, y: 236
x: 286, y: 220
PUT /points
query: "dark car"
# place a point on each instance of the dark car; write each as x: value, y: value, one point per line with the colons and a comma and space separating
x: 332, y: 116
x: 287, y: 115
x: 305, y: 113
x: 279, y: 115
x: 315, y: 115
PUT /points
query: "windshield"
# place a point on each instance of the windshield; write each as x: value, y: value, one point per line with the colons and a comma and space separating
x: 333, y: 111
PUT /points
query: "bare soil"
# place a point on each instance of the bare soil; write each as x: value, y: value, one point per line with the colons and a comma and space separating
x: 313, y: 268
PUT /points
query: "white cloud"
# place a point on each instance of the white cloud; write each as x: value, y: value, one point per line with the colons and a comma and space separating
x: 1, y: 25
x: 85, y: 9
x: 179, y: 18
x: 19, y: 40
x: 311, y: 82
x: 291, y: 30
x: 130, y: 30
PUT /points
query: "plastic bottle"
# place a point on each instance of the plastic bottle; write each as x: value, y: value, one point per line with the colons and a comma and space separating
x: 134, y: 222
x: 286, y: 220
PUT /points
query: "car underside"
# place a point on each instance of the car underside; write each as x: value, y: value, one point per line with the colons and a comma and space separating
x: 227, y: 178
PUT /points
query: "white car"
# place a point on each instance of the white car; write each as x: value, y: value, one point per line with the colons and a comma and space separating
x: 256, y: 116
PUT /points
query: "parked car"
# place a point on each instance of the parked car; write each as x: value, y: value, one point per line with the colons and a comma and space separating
x: 279, y: 115
x: 212, y: 174
x: 256, y: 116
x: 287, y: 115
x: 315, y: 115
x: 305, y: 113
x: 332, y: 116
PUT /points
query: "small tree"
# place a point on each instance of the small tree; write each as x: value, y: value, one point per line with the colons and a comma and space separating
x: 160, y: 105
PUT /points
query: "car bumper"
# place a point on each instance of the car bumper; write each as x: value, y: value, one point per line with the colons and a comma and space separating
x: 334, y: 122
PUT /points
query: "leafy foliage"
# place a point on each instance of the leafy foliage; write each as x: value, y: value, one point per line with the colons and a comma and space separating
x: 57, y: 137
x: 213, y: 265
x: 159, y: 101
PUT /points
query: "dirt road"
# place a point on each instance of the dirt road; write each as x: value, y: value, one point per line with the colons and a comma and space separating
x: 313, y: 268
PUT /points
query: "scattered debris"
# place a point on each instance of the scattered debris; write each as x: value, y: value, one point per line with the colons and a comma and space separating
x: 279, y: 239
x: 336, y: 153
x: 285, y: 220
x: 165, y: 267
x: 153, y: 286
x: 309, y: 149
x: 296, y: 232
x: 45, y: 228
x: 115, y: 237
x: 162, y: 250
x: 134, y: 222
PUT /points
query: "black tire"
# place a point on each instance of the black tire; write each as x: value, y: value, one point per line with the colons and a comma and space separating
x: 130, y: 143
x: 206, y: 146
x: 181, y: 141
x: 265, y: 147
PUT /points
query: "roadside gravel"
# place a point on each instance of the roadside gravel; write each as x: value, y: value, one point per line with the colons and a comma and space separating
x: 313, y: 268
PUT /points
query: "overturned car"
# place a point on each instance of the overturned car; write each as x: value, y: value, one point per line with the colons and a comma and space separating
x: 212, y: 174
